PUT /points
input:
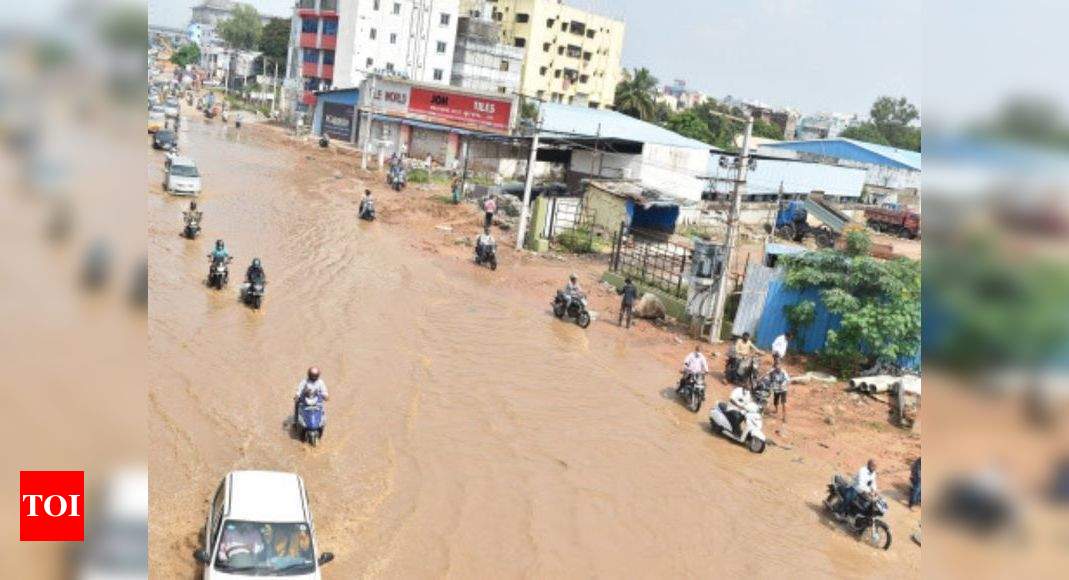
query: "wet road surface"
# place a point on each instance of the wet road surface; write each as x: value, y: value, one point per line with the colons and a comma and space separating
x: 469, y: 434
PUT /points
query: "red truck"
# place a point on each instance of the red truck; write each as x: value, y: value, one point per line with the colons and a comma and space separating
x: 895, y: 220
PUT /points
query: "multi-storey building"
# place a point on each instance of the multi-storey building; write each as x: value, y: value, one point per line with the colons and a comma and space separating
x: 573, y: 56
x: 209, y: 13
x: 481, y: 61
x: 337, y: 43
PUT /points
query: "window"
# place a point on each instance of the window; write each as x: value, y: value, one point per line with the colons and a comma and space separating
x: 437, y: 74
x: 389, y: 67
x: 549, y: 23
x: 590, y: 33
x: 505, y: 65
x: 445, y: 19
x: 307, y: 4
x: 496, y: 16
x: 577, y: 28
x: 310, y: 55
x: 393, y: 38
x: 441, y: 47
x: 503, y: 90
x: 309, y: 25
x: 542, y: 71
x: 545, y: 47
x: 330, y: 27
x: 583, y: 78
x: 396, y: 7
x: 370, y: 63
x: 564, y: 26
x: 556, y: 74
x: 521, y: 42
x: 574, y: 51
x: 560, y: 50
x: 374, y: 33
x: 375, y: 5
x: 328, y: 5
x: 328, y: 57
x: 540, y: 95
x: 522, y: 18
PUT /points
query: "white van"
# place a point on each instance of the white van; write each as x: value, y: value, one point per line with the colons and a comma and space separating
x: 181, y: 177
x: 259, y: 524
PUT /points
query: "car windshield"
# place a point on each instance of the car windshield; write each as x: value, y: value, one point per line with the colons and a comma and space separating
x: 259, y: 549
x: 184, y: 171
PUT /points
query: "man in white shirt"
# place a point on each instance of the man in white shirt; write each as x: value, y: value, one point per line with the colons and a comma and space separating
x: 864, y: 485
x: 694, y: 365
x: 312, y: 385
x: 740, y: 400
x: 779, y: 346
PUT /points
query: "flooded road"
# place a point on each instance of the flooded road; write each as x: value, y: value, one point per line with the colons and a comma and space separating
x: 470, y: 433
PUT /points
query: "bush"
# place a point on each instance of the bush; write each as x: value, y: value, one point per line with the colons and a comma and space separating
x: 577, y: 241
x: 419, y: 176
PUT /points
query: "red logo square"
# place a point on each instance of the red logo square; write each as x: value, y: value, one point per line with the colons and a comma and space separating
x: 51, y: 506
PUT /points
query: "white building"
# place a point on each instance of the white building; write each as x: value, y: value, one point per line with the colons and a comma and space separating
x: 481, y: 61
x: 336, y: 43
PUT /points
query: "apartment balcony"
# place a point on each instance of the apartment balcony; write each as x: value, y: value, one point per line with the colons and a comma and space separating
x: 308, y: 98
x: 328, y: 41
x: 308, y: 40
x: 328, y: 71
x: 310, y: 69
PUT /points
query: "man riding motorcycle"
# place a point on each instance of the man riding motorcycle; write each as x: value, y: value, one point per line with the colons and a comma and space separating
x: 740, y: 357
x: 694, y: 366
x: 310, y: 386
x: 192, y: 216
x: 255, y: 274
x: 219, y: 253
x: 740, y: 401
x: 572, y: 291
x: 864, y: 487
x: 484, y: 242
x: 367, y: 205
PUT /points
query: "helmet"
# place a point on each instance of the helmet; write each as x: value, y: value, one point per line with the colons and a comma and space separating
x: 219, y: 244
x: 313, y: 373
x: 573, y: 277
x: 256, y: 262
x: 193, y: 205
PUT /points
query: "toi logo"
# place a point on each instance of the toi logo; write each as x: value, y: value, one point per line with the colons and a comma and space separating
x: 51, y: 506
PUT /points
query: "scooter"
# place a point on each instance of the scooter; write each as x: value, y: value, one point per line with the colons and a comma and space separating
x: 486, y: 255
x: 692, y: 390
x: 253, y: 294
x: 219, y: 273
x: 191, y: 230
x: 750, y: 431
x: 574, y: 308
x: 863, y: 516
x: 311, y: 419
x: 396, y: 179
x: 742, y: 371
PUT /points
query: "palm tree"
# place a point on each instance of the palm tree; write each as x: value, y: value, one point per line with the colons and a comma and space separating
x: 634, y: 94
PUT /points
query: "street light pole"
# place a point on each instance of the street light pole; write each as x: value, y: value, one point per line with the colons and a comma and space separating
x: 367, y: 133
x: 732, y: 234
x: 527, y: 186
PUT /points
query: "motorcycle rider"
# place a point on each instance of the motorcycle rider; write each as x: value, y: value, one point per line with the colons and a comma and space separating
x: 694, y: 365
x: 255, y: 274
x: 740, y: 402
x: 864, y: 487
x: 219, y: 253
x: 311, y: 385
x: 741, y: 351
x: 484, y: 242
x: 192, y: 215
x: 366, y: 204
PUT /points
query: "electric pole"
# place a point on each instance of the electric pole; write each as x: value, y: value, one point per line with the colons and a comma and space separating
x: 732, y: 234
x: 527, y: 185
x: 367, y: 134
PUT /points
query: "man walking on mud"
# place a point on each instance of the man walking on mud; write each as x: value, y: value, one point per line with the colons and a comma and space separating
x: 490, y: 207
x: 629, y: 293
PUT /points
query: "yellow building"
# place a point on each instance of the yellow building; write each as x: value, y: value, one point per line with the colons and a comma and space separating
x: 572, y: 56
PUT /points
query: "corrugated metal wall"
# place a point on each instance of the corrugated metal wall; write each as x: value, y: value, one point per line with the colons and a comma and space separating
x: 752, y: 302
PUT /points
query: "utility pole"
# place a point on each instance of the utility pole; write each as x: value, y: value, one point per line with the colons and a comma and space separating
x: 732, y: 234
x: 367, y: 133
x: 527, y: 185
x: 274, y: 89
x: 773, y: 216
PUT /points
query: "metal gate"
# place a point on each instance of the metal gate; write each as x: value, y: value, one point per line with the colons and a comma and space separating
x: 658, y: 263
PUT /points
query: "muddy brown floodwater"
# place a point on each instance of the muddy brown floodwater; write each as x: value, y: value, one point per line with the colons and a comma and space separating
x: 468, y: 435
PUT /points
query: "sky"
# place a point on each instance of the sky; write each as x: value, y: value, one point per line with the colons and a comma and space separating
x: 810, y: 55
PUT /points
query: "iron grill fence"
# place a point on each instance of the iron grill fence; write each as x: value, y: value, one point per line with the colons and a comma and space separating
x: 655, y: 262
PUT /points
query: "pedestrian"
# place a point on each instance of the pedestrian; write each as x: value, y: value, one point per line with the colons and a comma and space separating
x: 778, y: 380
x: 490, y: 207
x: 779, y: 346
x: 915, y: 483
x: 629, y: 293
x: 455, y: 187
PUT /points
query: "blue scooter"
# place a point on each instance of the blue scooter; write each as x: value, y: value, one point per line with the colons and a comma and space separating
x: 311, y: 419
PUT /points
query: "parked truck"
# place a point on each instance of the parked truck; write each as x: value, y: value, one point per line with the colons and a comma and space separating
x: 894, y: 219
x: 792, y: 220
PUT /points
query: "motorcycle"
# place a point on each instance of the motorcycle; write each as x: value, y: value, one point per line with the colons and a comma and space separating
x: 396, y: 179
x: 862, y: 515
x: 311, y: 419
x: 192, y: 229
x: 237, y: 122
x: 692, y: 390
x: 486, y: 255
x: 224, y: 116
x: 219, y: 273
x: 253, y: 294
x: 367, y: 210
x: 573, y: 308
x: 750, y: 432
x: 741, y: 372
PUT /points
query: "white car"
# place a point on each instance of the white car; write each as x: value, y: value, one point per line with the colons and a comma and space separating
x: 259, y: 524
x: 181, y: 177
x: 171, y: 108
x: 116, y: 534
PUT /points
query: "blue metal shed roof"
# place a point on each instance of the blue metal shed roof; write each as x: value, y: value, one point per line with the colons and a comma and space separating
x: 341, y: 96
x: 795, y: 176
x: 575, y: 121
x: 856, y: 151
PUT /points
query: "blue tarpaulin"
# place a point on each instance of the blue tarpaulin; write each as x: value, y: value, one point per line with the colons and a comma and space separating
x: 655, y: 217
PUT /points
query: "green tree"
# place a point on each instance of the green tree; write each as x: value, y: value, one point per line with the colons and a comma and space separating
x: 878, y: 302
x: 243, y: 29
x: 187, y: 54
x: 274, y: 43
x: 689, y: 124
x: 867, y: 132
x: 767, y: 130
x: 635, y: 94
